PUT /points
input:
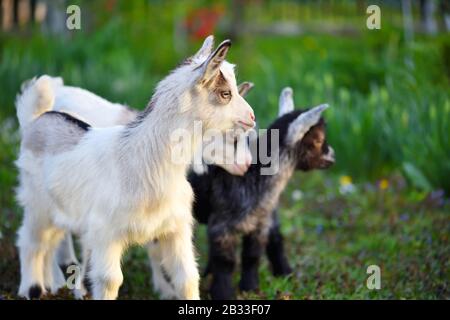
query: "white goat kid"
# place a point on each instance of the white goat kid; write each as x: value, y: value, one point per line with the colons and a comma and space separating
x: 99, y: 112
x: 117, y: 186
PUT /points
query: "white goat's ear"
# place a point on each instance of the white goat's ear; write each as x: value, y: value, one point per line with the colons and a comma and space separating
x: 205, y: 50
x: 244, y: 88
x: 211, y: 66
x: 300, y: 126
x: 286, y: 103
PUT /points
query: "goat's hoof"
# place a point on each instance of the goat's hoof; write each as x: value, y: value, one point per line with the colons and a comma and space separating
x: 282, y: 271
x: 35, y: 292
x: 248, y: 286
x: 221, y: 291
x: 222, y: 296
x: 249, y: 281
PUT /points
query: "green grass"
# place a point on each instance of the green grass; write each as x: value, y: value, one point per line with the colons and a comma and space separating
x: 331, y: 239
x: 389, y: 119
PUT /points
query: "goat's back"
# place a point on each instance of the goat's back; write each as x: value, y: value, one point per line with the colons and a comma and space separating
x: 91, y: 108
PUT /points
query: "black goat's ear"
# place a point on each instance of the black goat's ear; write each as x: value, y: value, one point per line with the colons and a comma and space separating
x: 301, y: 125
x: 211, y: 67
x: 244, y: 88
x: 206, y: 48
x: 286, y: 102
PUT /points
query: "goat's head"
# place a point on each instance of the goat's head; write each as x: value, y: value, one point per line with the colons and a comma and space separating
x: 232, y: 153
x: 303, y: 133
x: 210, y: 89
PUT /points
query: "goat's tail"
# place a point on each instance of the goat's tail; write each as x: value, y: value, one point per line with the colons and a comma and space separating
x: 37, y: 96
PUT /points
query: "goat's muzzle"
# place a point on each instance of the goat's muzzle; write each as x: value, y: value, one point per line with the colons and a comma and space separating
x: 328, y: 159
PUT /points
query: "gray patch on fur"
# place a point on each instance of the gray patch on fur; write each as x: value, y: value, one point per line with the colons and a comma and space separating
x: 51, y: 133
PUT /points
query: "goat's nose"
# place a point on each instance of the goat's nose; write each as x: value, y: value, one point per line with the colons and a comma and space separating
x: 252, y: 116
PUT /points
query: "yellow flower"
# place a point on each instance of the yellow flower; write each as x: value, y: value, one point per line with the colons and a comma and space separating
x: 345, y: 180
x: 346, y: 185
x: 384, y: 184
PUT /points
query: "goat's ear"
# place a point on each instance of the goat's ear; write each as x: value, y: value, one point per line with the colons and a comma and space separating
x: 211, y: 67
x: 301, y: 125
x: 286, y: 103
x: 244, y: 88
x: 206, y: 49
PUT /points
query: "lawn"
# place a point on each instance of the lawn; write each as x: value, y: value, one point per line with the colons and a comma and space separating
x: 385, y: 202
x: 332, y: 237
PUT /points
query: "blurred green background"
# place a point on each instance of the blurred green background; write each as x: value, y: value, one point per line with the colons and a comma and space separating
x: 384, y: 202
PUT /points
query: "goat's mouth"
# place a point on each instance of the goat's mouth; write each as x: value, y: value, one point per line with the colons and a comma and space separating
x: 236, y: 169
x: 240, y: 169
x: 328, y: 159
x: 326, y: 164
x: 246, y: 125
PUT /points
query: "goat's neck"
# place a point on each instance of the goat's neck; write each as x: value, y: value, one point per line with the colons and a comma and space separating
x: 271, y: 186
x: 146, y: 146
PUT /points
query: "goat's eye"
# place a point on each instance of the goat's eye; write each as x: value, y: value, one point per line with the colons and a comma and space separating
x: 225, y: 94
x: 318, y: 143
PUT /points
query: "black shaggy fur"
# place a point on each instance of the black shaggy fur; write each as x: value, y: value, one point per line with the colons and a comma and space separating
x: 235, y: 206
x: 275, y: 249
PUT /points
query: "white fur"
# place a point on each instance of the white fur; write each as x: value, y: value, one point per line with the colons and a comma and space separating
x: 87, y: 106
x: 286, y: 101
x: 117, y: 186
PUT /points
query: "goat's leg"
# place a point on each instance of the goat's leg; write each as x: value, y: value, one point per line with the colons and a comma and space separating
x: 33, y: 240
x: 104, y: 269
x: 178, y: 262
x: 161, y: 280
x: 222, y: 259
x: 58, y: 279
x: 252, y: 250
x: 82, y: 283
x: 65, y: 254
x: 53, y: 276
x: 275, y: 249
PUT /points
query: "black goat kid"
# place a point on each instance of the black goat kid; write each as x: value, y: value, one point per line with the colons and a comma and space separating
x: 245, y: 206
